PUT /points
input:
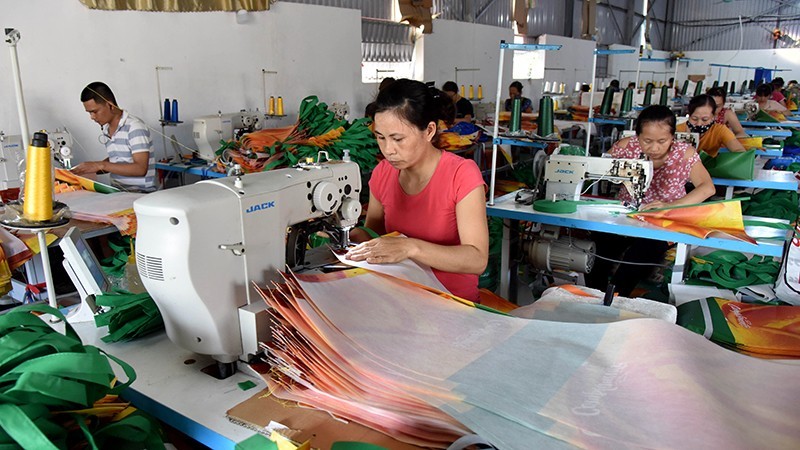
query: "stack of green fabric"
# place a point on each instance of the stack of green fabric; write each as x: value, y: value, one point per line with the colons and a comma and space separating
x: 732, y: 270
x: 56, y: 393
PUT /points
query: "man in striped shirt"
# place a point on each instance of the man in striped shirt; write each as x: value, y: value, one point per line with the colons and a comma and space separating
x: 131, y: 160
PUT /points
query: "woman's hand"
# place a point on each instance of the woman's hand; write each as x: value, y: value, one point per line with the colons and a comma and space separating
x: 383, y: 250
x: 654, y: 205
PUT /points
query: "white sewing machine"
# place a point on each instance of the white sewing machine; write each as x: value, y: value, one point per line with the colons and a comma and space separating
x: 200, y: 247
x: 209, y: 130
x: 564, y: 175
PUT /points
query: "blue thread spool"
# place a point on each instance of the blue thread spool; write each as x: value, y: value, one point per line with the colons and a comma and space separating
x: 167, y: 114
x: 175, y: 110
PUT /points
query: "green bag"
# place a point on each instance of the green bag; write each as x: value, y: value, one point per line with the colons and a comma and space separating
x: 730, y: 165
x: 763, y: 116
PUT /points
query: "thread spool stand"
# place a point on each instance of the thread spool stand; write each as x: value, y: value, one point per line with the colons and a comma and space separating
x: 41, y: 230
x: 264, y: 73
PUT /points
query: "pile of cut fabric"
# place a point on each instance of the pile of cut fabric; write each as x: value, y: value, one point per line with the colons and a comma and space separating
x: 96, y: 202
x: 424, y: 369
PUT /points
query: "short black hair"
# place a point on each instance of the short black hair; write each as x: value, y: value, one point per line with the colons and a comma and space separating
x: 99, y: 92
x: 450, y: 86
x: 517, y: 85
x: 718, y: 92
x: 701, y: 100
x: 656, y: 114
x: 777, y: 82
x: 385, y: 82
x: 764, y: 90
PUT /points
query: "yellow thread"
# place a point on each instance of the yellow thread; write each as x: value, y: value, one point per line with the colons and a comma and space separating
x: 280, y: 106
x: 271, y: 110
x: 38, y: 202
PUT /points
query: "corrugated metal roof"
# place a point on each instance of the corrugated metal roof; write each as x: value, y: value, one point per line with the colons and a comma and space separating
x: 493, y: 12
x: 386, y: 42
x: 700, y: 27
x: 450, y: 10
x: 547, y: 17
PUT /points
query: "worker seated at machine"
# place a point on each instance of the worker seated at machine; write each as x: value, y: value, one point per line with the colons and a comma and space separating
x: 435, y: 198
x: 713, y: 135
x: 674, y: 164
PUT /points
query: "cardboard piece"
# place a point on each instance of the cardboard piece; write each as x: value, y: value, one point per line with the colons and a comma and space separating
x: 259, y: 410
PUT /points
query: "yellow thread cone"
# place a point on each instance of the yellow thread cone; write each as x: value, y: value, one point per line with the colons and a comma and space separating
x: 38, y: 202
x: 280, y: 106
x: 271, y: 106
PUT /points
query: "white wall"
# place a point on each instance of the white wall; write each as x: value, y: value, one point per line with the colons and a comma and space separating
x: 458, y: 44
x: 783, y: 58
x: 216, y: 63
x: 569, y: 65
x: 623, y: 67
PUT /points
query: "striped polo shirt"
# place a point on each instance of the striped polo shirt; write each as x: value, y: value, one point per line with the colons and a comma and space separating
x: 132, y: 136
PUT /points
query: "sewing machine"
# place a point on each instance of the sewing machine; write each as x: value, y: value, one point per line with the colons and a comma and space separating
x: 564, y: 175
x: 200, y: 248
x: 11, y: 156
x: 209, y: 130
x: 749, y: 107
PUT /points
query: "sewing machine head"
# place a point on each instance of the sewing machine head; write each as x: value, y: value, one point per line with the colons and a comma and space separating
x: 208, y: 131
x: 200, y: 247
x: 564, y: 175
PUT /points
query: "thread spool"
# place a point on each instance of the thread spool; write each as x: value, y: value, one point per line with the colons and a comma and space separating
x: 480, y: 92
x: 167, y: 114
x: 562, y: 87
x: 627, y: 101
x: 699, y: 88
x: 174, y: 115
x: 471, y: 92
x: 715, y: 84
x: 38, y: 202
x: 545, y: 120
x: 648, y: 94
x: 461, y: 91
x: 733, y: 88
x: 605, y: 105
x: 725, y: 86
x: 664, y: 96
x: 516, y: 115
x: 547, y: 86
x: 685, y: 87
x: 577, y: 86
x: 280, y: 106
x: 271, y: 110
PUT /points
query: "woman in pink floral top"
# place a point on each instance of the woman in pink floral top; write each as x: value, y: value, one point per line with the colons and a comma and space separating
x: 674, y: 164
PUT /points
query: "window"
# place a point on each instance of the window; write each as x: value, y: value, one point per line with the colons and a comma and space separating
x: 387, y: 50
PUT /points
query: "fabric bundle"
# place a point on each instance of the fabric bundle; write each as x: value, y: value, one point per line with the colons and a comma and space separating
x: 757, y: 329
x: 129, y: 316
x: 733, y: 270
x: 114, y: 208
x: 700, y: 220
x: 382, y: 352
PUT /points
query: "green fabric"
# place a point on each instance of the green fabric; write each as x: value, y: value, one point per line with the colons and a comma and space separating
x: 257, y: 442
x: 690, y: 316
x: 732, y: 270
x: 794, y: 139
x: 730, y: 165
x: 370, y: 232
x: 114, y: 265
x: 773, y: 203
x: 129, y: 316
x: 246, y: 385
x: 43, y: 372
x: 572, y: 150
x: 763, y: 116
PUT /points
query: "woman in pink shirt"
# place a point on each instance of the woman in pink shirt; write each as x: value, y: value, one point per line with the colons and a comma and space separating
x: 433, y: 197
x: 674, y: 164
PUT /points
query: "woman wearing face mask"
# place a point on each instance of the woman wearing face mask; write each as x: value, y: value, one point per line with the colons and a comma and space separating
x: 434, y: 197
x: 674, y: 164
x: 726, y: 116
x: 713, y: 136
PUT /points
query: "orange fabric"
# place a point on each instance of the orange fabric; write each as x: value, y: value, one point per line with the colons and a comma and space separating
x: 713, y: 139
x: 494, y: 301
x: 700, y: 220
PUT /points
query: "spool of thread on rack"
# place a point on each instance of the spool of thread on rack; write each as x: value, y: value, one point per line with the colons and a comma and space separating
x: 461, y: 91
x: 545, y: 120
x: 280, y: 106
x: 733, y: 88
x: 516, y: 115
x: 664, y: 96
x: 174, y: 115
x: 648, y: 95
x: 167, y: 114
x: 480, y: 92
x: 271, y: 110
x: 725, y: 86
x: 608, y: 99
x: 627, y: 101
x: 471, y: 92
x: 699, y: 88
x: 38, y: 201
x: 685, y: 87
